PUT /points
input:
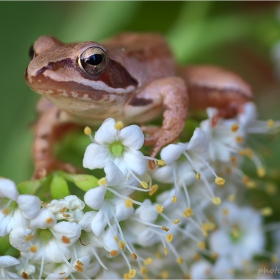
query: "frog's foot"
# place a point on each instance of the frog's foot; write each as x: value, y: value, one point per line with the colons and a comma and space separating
x: 158, y: 137
x: 49, y: 166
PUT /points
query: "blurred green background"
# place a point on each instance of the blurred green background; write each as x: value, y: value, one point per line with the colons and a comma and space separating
x: 237, y: 35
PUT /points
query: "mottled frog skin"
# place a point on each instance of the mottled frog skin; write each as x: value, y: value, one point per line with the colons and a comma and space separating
x: 131, y: 77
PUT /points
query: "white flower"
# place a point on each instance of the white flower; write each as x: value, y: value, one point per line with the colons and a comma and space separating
x: 8, y: 263
x: 69, y: 208
x: 15, y: 209
x: 50, y: 244
x: 240, y: 235
x: 120, y: 146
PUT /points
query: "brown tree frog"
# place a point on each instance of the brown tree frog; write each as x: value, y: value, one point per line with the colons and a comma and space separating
x: 130, y: 77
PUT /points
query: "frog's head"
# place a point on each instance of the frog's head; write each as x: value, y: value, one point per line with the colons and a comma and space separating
x: 77, y: 70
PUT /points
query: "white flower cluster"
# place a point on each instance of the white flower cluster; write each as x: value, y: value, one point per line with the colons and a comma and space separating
x: 179, y: 220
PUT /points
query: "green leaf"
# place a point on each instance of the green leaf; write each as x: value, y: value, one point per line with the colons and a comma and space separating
x: 85, y: 182
x: 29, y: 187
x: 59, y: 187
x: 109, y: 195
x: 5, y: 244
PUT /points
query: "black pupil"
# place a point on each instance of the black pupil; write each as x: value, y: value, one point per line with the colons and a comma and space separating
x: 94, y: 59
x: 31, y: 52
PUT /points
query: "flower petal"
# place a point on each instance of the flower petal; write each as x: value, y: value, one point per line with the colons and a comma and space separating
x: 135, y: 161
x: 44, y: 219
x: 96, y: 156
x: 7, y: 261
x: 106, y: 133
x: 113, y: 174
x: 66, y: 232
x: 198, y: 142
x: 172, y: 152
x: 94, y: 197
x: 29, y: 204
x: 8, y: 189
x: 132, y: 137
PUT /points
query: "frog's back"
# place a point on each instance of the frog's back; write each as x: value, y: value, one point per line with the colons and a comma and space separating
x: 145, y: 56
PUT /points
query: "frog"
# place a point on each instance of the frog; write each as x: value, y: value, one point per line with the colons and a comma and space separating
x: 131, y: 77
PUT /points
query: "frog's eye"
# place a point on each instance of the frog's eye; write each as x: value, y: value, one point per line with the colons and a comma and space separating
x: 31, y: 52
x: 93, y: 60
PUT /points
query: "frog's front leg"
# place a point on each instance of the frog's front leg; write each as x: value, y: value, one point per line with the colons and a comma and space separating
x: 51, y: 125
x: 168, y: 95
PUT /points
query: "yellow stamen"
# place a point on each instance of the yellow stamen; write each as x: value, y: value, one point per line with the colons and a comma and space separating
x: 266, y: 211
x: 116, y: 239
x: 225, y: 212
x: 216, y: 200
x: 148, y: 261
x: 169, y: 237
x: 160, y: 162
x: 239, y: 139
x: 165, y: 250
x: 176, y: 221
x: 6, y: 211
x: 134, y: 256
x: 188, y: 212
x: 119, y: 125
x: 122, y: 245
x: 201, y: 245
x: 102, y: 181
x: 113, y: 253
x: 248, y: 183
x: 249, y: 153
x: 234, y: 127
x: 132, y: 273
x: 214, y: 256
x: 126, y: 276
x: 65, y: 239
x: 165, y: 228
x: 28, y: 237
x: 128, y: 203
x: 174, y: 199
x: 180, y: 260
x: 24, y: 275
x: 231, y: 197
x: 208, y: 226
x: 144, y: 185
x: 144, y: 270
x: 49, y: 220
x: 63, y: 209
x: 33, y: 249
x: 159, y: 208
x: 87, y: 130
x: 153, y: 189
x: 270, y: 123
x: 164, y: 274
x: 196, y: 257
x: 197, y: 176
x: 261, y: 172
x: 233, y: 159
x: 220, y: 181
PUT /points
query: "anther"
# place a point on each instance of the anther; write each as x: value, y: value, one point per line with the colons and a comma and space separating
x: 216, y: 200
x: 153, y: 189
x: 144, y: 185
x: 174, y: 199
x: 220, y: 181
x: 113, y: 253
x: 169, y: 237
x: 134, y: 256
x: 87, y: 131
x: 234, y: 127
x: 102, y: 181
x: 159, y: 208
x: 119, y: 125
x: 160, y: 162
x: 176, y: 221
x: 197, y: 176
x: 165, y: 228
